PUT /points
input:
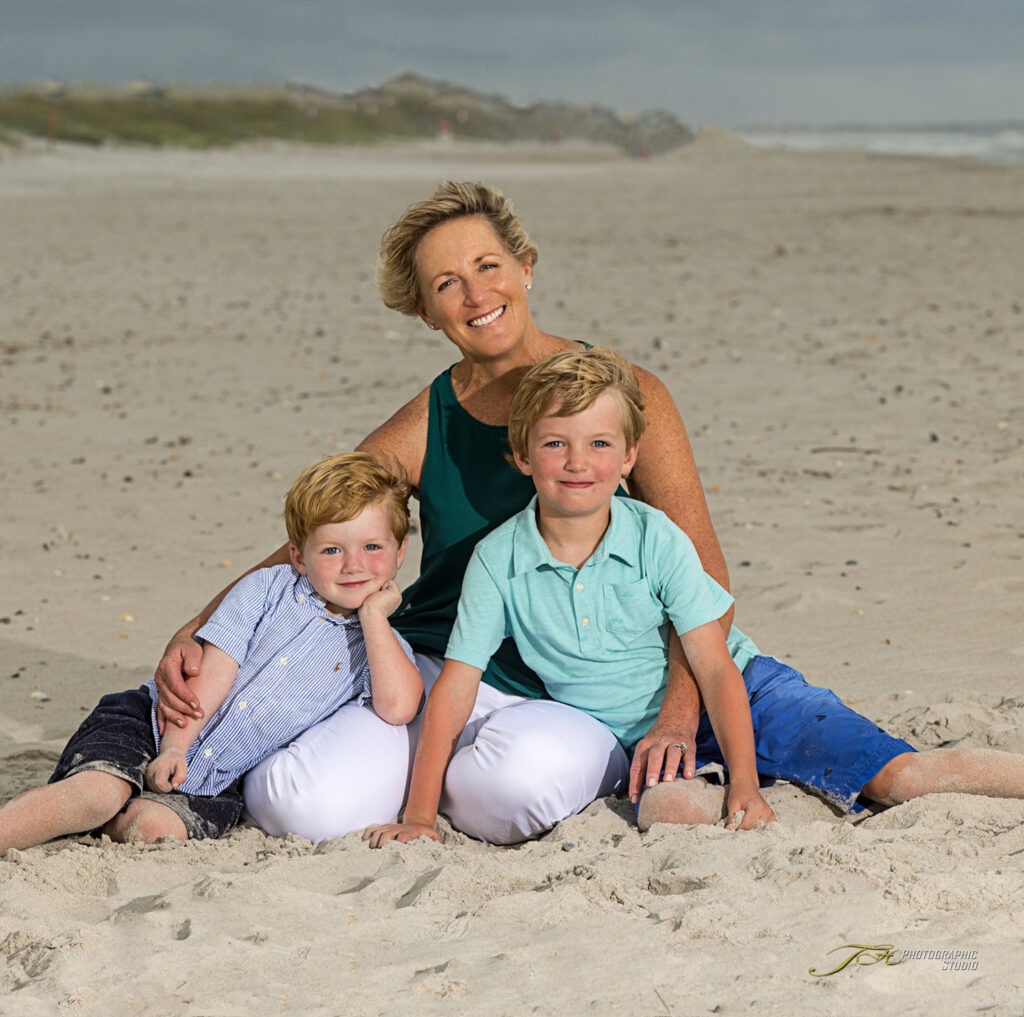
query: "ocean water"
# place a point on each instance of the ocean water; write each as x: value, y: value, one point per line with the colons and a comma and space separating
x: 998, y: 142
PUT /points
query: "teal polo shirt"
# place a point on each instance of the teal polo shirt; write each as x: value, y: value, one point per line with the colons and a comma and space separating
x: 596, y: 636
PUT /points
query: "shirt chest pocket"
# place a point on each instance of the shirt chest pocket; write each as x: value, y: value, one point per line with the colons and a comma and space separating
x: 632, y: 614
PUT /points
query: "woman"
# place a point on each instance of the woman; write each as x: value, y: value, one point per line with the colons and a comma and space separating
x: 463, y: 263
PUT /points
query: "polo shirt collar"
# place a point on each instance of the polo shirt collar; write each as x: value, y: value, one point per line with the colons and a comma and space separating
x: 621, y: 540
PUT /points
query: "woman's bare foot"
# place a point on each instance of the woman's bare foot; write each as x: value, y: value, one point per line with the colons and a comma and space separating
x: 681, y: 801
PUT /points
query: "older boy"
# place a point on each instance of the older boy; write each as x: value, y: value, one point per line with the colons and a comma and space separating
x: 286, y: 648
x: 586, y: 584
x: 802, y: 733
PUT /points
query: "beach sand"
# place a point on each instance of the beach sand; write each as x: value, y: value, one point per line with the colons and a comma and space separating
x: 181, y: 332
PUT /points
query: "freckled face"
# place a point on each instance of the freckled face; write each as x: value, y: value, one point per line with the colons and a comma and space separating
x: 346, y: 562
x: 472, y: 288
x: 577, y: 462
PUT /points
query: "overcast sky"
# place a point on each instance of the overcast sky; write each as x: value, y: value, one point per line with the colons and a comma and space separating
x: 728, y: 62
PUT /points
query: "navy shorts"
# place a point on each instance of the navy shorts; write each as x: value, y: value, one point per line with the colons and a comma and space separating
x: 117, y: 738
x: 807, y: 735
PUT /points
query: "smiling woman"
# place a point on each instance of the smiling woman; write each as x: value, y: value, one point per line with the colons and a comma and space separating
x: 472, y: 288
x: 463, y: 263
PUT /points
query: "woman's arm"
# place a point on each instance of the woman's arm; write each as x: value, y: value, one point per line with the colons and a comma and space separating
x: 665, y: 476
x: 183, y: 656
x: 657, y: 755
x: 402, y: 439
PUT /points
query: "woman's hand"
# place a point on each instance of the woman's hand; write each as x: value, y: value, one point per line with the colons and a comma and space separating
x: 378, y: 836
x: 658, y: 754
x: 673, y: 738
x: 747, y: 810
x: 180, y: 661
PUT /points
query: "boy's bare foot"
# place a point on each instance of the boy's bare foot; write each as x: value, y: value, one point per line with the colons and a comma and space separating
x: 681, y: 801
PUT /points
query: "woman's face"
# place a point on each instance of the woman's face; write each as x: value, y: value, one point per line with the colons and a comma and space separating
x: 472, y: 288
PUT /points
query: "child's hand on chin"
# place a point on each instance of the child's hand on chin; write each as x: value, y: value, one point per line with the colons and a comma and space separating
x: 385, y: 601
x: 378, y: 836
x: 168, y: 771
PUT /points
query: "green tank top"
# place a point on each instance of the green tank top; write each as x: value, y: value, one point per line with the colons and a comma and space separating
x: 467, y: 488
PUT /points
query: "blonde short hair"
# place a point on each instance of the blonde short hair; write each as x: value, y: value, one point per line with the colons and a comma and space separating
x: 571, y: 381
x: 338, y: 488
x: 454, y: 199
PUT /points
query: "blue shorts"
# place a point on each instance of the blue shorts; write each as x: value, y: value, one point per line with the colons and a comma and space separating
x: 117, y: 738
x: 807, y: 735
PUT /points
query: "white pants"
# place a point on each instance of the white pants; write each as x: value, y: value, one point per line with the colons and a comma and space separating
x: 521, y: 766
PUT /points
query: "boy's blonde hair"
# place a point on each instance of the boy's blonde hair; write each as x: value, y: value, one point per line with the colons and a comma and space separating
x: 338, y: 488
x: 454, y: 199
x: 571, y: 381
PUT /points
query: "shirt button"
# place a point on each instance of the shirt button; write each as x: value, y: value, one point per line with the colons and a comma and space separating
x: 242, y: 705
x: 321, y: 620
x: 579, y: 586
x: 282, y: 661
x: 208, y: 753
x: 302, y: 598
x: 584, y: 621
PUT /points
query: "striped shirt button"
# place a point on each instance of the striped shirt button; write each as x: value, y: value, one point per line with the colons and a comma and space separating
x: 282, y: 661
x: 242, y: 705
x: 208, y: 753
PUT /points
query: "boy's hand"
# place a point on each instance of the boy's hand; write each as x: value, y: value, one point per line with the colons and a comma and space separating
x: 385, y: 601
x: 378, y: 836
x: 747, y: 810
x: 168, y: 771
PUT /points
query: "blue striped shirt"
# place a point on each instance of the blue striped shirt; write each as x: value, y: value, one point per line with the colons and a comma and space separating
x: 297, y: 665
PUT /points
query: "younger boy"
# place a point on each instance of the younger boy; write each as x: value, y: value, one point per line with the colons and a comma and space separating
x: 285, y: 649
x: 585, y: 583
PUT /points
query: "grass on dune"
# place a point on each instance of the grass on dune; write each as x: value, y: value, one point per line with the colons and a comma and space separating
x: 191, y: 123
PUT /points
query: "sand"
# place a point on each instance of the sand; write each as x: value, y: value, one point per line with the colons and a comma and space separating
x: 181, y: 332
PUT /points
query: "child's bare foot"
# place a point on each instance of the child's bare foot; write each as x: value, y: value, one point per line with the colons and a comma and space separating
x: 681, y: 801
